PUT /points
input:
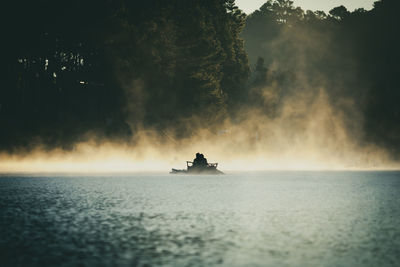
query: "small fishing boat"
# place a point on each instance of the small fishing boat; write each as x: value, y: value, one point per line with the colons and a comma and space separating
x: 209, y: 168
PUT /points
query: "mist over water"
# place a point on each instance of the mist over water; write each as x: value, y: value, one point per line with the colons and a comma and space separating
x: 232, y: 151
x: 308, y: 134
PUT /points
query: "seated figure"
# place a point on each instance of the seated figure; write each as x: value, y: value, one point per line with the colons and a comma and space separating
x: 197, y: 160
x: 200, y: 161
x: 203, y: 161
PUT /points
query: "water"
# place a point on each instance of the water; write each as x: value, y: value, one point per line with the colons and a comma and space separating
x: 241, y: 219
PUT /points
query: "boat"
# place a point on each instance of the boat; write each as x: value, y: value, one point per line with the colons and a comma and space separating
x: 210, y: 168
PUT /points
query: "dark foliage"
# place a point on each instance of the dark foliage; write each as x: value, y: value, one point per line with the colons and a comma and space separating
x: 105, y: 68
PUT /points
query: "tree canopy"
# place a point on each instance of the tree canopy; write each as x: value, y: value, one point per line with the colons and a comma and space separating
x: 109, y: 67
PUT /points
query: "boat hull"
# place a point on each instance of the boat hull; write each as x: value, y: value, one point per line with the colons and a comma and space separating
x: 207, y: 171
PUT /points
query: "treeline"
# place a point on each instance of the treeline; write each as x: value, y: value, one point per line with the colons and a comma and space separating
x: 106, y: 68
x: 353, y: 56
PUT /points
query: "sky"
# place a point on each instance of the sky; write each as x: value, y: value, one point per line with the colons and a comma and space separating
x: 249, y: 6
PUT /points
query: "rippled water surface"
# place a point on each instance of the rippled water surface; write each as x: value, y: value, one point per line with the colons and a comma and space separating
x: 240, y: 219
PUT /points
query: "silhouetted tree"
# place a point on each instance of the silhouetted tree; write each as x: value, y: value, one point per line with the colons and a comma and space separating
x: 339, y: 13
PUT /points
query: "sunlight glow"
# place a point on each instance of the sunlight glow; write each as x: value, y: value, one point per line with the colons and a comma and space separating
x: 248, y: 6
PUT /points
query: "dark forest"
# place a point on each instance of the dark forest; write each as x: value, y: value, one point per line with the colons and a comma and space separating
x: 106, y: 69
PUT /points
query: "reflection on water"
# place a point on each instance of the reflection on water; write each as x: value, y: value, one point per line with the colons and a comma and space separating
x: 268, y: 219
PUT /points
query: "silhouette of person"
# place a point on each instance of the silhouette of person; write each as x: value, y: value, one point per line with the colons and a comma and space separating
x: 203, y: 161
x: 200, y: 161
x: 197, y: 160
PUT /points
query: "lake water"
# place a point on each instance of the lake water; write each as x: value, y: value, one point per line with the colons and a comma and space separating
x: 239, y: 219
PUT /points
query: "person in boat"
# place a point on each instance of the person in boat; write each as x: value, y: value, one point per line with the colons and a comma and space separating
x: 203, y: 161
x: 200, y: 161
x: 196, y: 161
